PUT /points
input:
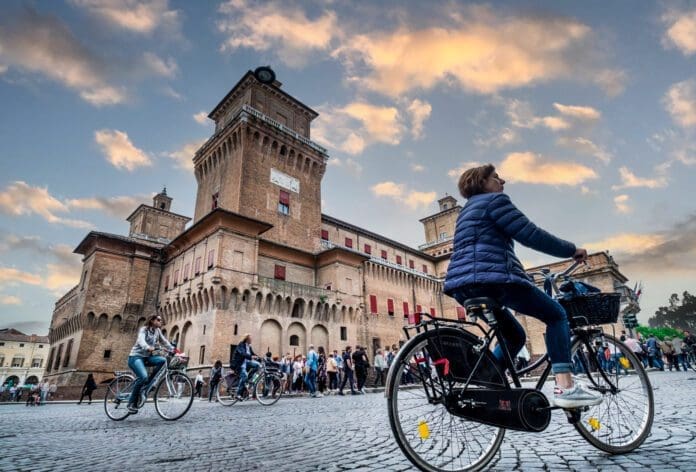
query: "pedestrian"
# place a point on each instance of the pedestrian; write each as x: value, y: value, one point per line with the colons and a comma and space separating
x: 332, y: 372
x: 311, y: 367
x: 360, y: 364
x: 654, y: 356
x: 388, y: 356
x: 321, y: 371
x: 87, y: 389
x: 198, y: 384
x: 678, y: 347
x: 668, y: 351
x: 380, y: 368
x: 347, y: 372
x: 52, y: 390
x: 30, y: 397
x: 339, y: 366
x: 215, y: 377
x: 286, y: 369
x: 297, y: 375
x: 45, y: 386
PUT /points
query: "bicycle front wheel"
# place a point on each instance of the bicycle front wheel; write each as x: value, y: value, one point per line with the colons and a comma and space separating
x: 117, y: 395
x: 431, y: 437
x: 173, y: 396
x: 623, y: 420
x: 268, y: 390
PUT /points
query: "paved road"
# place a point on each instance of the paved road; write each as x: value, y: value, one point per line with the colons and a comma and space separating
x: 331, y: 433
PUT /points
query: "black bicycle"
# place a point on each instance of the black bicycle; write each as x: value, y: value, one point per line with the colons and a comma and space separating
x: 450, y: 401
x: 265, y: 384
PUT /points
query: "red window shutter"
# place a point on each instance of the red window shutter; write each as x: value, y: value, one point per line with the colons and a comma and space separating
x: 279, y: 272
x: 384, y: 254
x: 186, y: 272
x: 419, y: 309
x: 410, y: 264
x: 406, y: 313
x: 325, y: 234
x: 390, y: 306
x: 349, y: 242
x: 198, y: 265
x: 368, y: 249
x: 284, y: 198
x: 211, y: 258
x: 425, y: 269
x: 373, y: 304
x: 432, y: 311
x: 461, y: 313
x: 398, y: 260
x: 176, y: 277
x: 166, y: 282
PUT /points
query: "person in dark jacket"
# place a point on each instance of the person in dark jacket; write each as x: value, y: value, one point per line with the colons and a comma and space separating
x: 215, y: 377
x: 243, y: 360
x: 89, y: 387
x: 484, y: 264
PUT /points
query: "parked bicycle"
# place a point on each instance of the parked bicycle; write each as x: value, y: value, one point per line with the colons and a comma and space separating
x: 173, y: 390
x: 265, y: 384
x: 690, y: 355
x: 450, y: 401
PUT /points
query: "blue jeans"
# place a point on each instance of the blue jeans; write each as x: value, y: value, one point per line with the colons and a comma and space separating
x: 311, y: 381
x: 532, y: 302
x: 137, y: 365
x: 244, y: 375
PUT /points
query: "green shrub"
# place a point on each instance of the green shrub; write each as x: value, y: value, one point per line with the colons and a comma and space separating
x: 660, y: 332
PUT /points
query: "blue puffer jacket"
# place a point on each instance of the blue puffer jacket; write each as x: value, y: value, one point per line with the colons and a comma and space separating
x: 484, y: 247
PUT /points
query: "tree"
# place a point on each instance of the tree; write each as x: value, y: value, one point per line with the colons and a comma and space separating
x: 661, y: 332
x: 680, y: 314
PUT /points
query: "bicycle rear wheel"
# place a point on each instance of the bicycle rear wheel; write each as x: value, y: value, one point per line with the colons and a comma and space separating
x: 268, y: 390
x: 623, y: 420
x: 117, y: 395
x: 430, y: 437
x: 227, y: 391
x: 173, y: 396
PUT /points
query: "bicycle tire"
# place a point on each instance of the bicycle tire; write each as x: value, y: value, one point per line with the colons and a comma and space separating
x: 410, y: 420
x: 173, y: 396
x: 603, y: 425
x: 268, y: 398
x: 226, y: 396
x: 117, y: 396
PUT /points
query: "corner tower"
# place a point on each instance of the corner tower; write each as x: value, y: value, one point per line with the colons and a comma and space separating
x: 439, y: 228
x: 261, y: 162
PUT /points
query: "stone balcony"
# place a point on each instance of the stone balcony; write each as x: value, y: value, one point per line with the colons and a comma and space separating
x: 295, y: 290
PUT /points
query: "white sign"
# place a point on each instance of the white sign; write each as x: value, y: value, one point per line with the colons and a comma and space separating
x: 284, y: 180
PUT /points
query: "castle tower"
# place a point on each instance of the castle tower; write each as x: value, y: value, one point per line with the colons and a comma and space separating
x: 261, y: 163
x: 156, y: 222
x: 439, y: 228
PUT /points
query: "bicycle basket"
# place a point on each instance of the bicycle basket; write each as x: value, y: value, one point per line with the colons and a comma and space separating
x: 178, y: 362
x: 592, y: 309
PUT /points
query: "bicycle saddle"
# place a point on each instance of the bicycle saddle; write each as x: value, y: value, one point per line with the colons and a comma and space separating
x: 480, y: 303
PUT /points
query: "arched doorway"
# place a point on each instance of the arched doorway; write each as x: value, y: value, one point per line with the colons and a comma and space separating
x: 31, y: 380
x: 184, y: 332
x: 11, y: 380
x: 271, y: 337
x: 297, y: 339
x: 320, y: 336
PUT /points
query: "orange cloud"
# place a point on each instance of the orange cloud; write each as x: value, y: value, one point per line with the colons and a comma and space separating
x: 20, y: 198
x: 631, y: 180
x: 530, y: 168
x: 120, y: 151
x: 681, y: 31
x: 622, y: 203
x: 401, y: 194
x: 680, y: 102
x: 12, y: 276
x: 628, y: 243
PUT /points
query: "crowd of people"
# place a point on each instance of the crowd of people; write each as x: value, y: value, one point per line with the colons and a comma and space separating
x: 31, y: 394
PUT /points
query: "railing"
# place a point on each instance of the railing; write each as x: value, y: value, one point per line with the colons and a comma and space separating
x: 267, y: 119
x: 378, y: 260
x: 435, y: 243
x: 294, y: 289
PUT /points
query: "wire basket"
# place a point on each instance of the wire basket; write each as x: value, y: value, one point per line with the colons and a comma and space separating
x: 592, y: 309
x: 178, y: 362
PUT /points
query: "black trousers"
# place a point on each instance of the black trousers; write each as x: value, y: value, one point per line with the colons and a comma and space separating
x: 361, y: 374
x: 379, y: 376
x: 347, y: 377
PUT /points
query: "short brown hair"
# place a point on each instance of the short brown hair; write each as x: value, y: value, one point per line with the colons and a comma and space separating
x: 471, y: 181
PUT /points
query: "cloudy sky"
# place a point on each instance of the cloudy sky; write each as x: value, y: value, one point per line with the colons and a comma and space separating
x: 587, y: 109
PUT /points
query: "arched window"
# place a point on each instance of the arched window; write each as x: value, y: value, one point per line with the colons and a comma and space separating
x: 294, y: 340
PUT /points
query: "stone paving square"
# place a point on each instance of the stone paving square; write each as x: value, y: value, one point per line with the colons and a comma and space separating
x: 302, y: 434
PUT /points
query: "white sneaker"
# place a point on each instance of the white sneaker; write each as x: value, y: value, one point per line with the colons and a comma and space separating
x: 575, y: 397
x: 318, y: 395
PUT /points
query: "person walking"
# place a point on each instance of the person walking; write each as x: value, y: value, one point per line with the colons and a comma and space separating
x: 654, y: 356
x: 380, y: 368
x: 347, y: 372
x: 339, y: 366
x: 321, y: 370
x: 680, y: 358
x: 44, y: 391
x: 312, y: 365
x: 332, y: 372
x: 87, y: 389
x: 297, y: 375
x: 198, y: 384
x: 215, y: 378
x: 360, y: 364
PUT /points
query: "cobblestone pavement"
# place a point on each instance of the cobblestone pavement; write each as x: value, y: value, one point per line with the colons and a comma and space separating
x: 297, y: 434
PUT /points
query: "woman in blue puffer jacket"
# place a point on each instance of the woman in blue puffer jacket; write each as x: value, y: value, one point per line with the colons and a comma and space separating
x: 484, y: 264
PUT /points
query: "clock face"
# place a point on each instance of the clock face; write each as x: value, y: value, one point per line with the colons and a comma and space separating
x: 265, y: 75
